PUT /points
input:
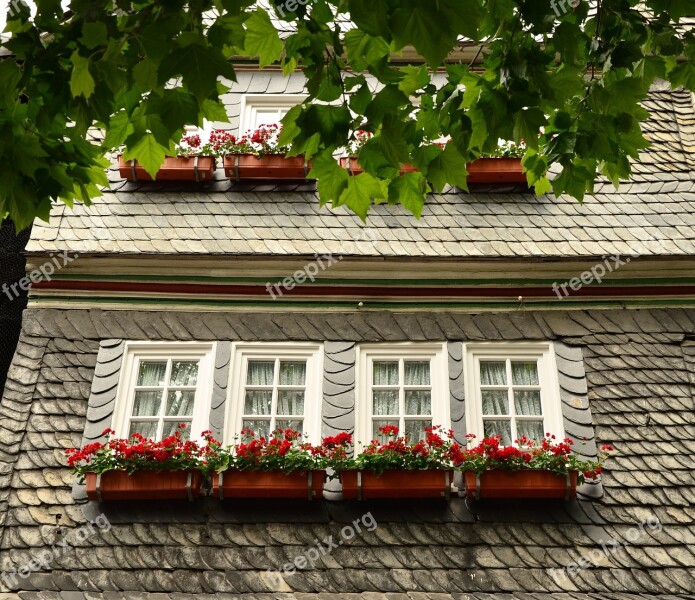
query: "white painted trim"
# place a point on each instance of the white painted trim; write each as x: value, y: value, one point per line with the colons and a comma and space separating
x: 543, y: 352
x: 204, y: 352
x: 242, y: 351
x: 435, y: 352
x: 251, y: 102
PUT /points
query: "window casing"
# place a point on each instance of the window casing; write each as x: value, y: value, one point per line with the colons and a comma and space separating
x: 163, y: 385
x: 512, y: 390
x: 265, y: 109
x: 273, y: 386
x: 406, y: 385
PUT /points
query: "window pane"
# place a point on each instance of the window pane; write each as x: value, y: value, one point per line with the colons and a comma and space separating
x: 531, y: 429
x: 260, y: 427
x: 375, y: 429
x: 146, y: 404
x: 524, y: 373
x: 417, y: 373
x: 184, y: 373
x: 290, y: 402
x: 296, y: 424
x: 180, y: 403
x: 260, y: 373
x: 258, y: 402
x: 170, y: 427
x: 146, y: 429
x: 493, y: 373
x: 418, y: 402
x: 415, y: 430
x: 495, y: 402
x: 385, y: 373
x: 499, y: 427
x: 151, y: 373
x: 385, y: 402
x: 292, y: 373
x: 527, y: 402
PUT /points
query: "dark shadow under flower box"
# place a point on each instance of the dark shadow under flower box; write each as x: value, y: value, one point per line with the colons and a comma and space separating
x: 366, y: 485
x: 236, y: 483
x: 144, y: 485
x: 175, y: 168
x: 350, y: 163
x: 269, y: 167
x: 496, y: 170
x: 521, y: 484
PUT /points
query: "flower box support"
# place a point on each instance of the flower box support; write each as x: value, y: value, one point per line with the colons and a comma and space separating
x: 366, y: 485
x: 175, y: 168
x: 268, y: 167
x: 496, y: 170
x: 537, y: 484
x: 144, y: 485
x: 236, y: 483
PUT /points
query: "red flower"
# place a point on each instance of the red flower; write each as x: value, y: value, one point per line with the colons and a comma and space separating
x: 389, y: 430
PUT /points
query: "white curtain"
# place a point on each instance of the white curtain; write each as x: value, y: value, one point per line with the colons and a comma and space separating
x: 290, y: 402
x: 180, y: 403
x: 260, y: 373
x: 147, y: 404
x: 495, y: 402
x: 147, y: 429
x: 499, y: 427
x: 524, y: 373
x: 527, y: 402
x: 493, y: 373
x: 417, y: 373
x: 292, y: 373
x: 385, y: 373
x: 385, y: 402
x: 184, y: 373
x: 531, y: 429
x: 418, y: 402
x: 151, y: 373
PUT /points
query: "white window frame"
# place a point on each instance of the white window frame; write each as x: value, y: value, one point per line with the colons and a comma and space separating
x: 436, y: 353
x: 242, y: 352
x: 543, y: 352
x: 204, y: 352
x: 250, y: 103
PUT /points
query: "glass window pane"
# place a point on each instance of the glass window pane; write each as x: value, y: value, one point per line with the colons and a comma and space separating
x: 418, y: 402
x: 292, y: 373
x: 493, y: 373
x: 375, y: 429
x: 180, y: 403
x: 184, y: 373
x: 527, y: 402
x: 385, y: 373
x: 524, y: 373
x: 258, y: 402
x: 170, y: 427
x: 296, y: 424
x: 385, y: 402
x: 495, y: 402
x: 531, y: 429
x: 260, y: 373
x: 259, y: 426
x: 290, y: 402
x: 151, y: 372
x: 417, y: 373
x: 415, y: 430
x: 498, y: 427
x: 147, y: 429
x: 146, y: 404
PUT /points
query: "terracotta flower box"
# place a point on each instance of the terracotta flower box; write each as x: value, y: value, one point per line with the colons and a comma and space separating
x: 350, y: 163
x: 496, y: 170
x: 175, y: 168
x: 269, y: 167
x: 520, y: 484
x: 235, y: 483
x: 366, y: 485
x: 144, y: 485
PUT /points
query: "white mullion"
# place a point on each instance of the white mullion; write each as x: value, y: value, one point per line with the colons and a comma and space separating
x: 510, y: 395
x: 401, y: 395
x: 165, y: 392
x: 274, y: 397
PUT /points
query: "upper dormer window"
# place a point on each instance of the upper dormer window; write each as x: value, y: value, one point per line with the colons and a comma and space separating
x: 266, y: 109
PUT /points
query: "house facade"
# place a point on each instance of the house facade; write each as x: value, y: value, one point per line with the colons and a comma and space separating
x: 249, y: 305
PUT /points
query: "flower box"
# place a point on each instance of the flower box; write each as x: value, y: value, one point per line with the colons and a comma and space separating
x: 497, y: 484
x: 496, y: 170
x: 236, y: 483
x: 350, y: 163
x: 366, y: 485
x: 175, y: 168
x: 270, y: 166
x: 144, y: 485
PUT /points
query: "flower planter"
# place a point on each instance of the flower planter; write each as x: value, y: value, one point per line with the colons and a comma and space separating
x: 270, y: 166
x: 175, y: 168
x: 520, y: 484
x: 496, y: 170
x: 234, y: 483
x: 366, y: 485
x: 144, y: 485
x: 350, y: 163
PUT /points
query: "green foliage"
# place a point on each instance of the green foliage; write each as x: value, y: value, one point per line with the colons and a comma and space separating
x: 566, y: 83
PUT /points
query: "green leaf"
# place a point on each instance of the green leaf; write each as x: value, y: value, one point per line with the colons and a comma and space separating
x: 409, y: 190
x: 448, y: 168
x: 215, y: 111
x: 148, y: 152
x: 118, y: 130
x: 364, y: 50
x: 94, y: 34
x: 361, y: 191
x: 527, y: 124
x: 81, y: 80
x: 332, y: 179
x: 262, y: 38
x: 416, y: 78
x: 683, y: 74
